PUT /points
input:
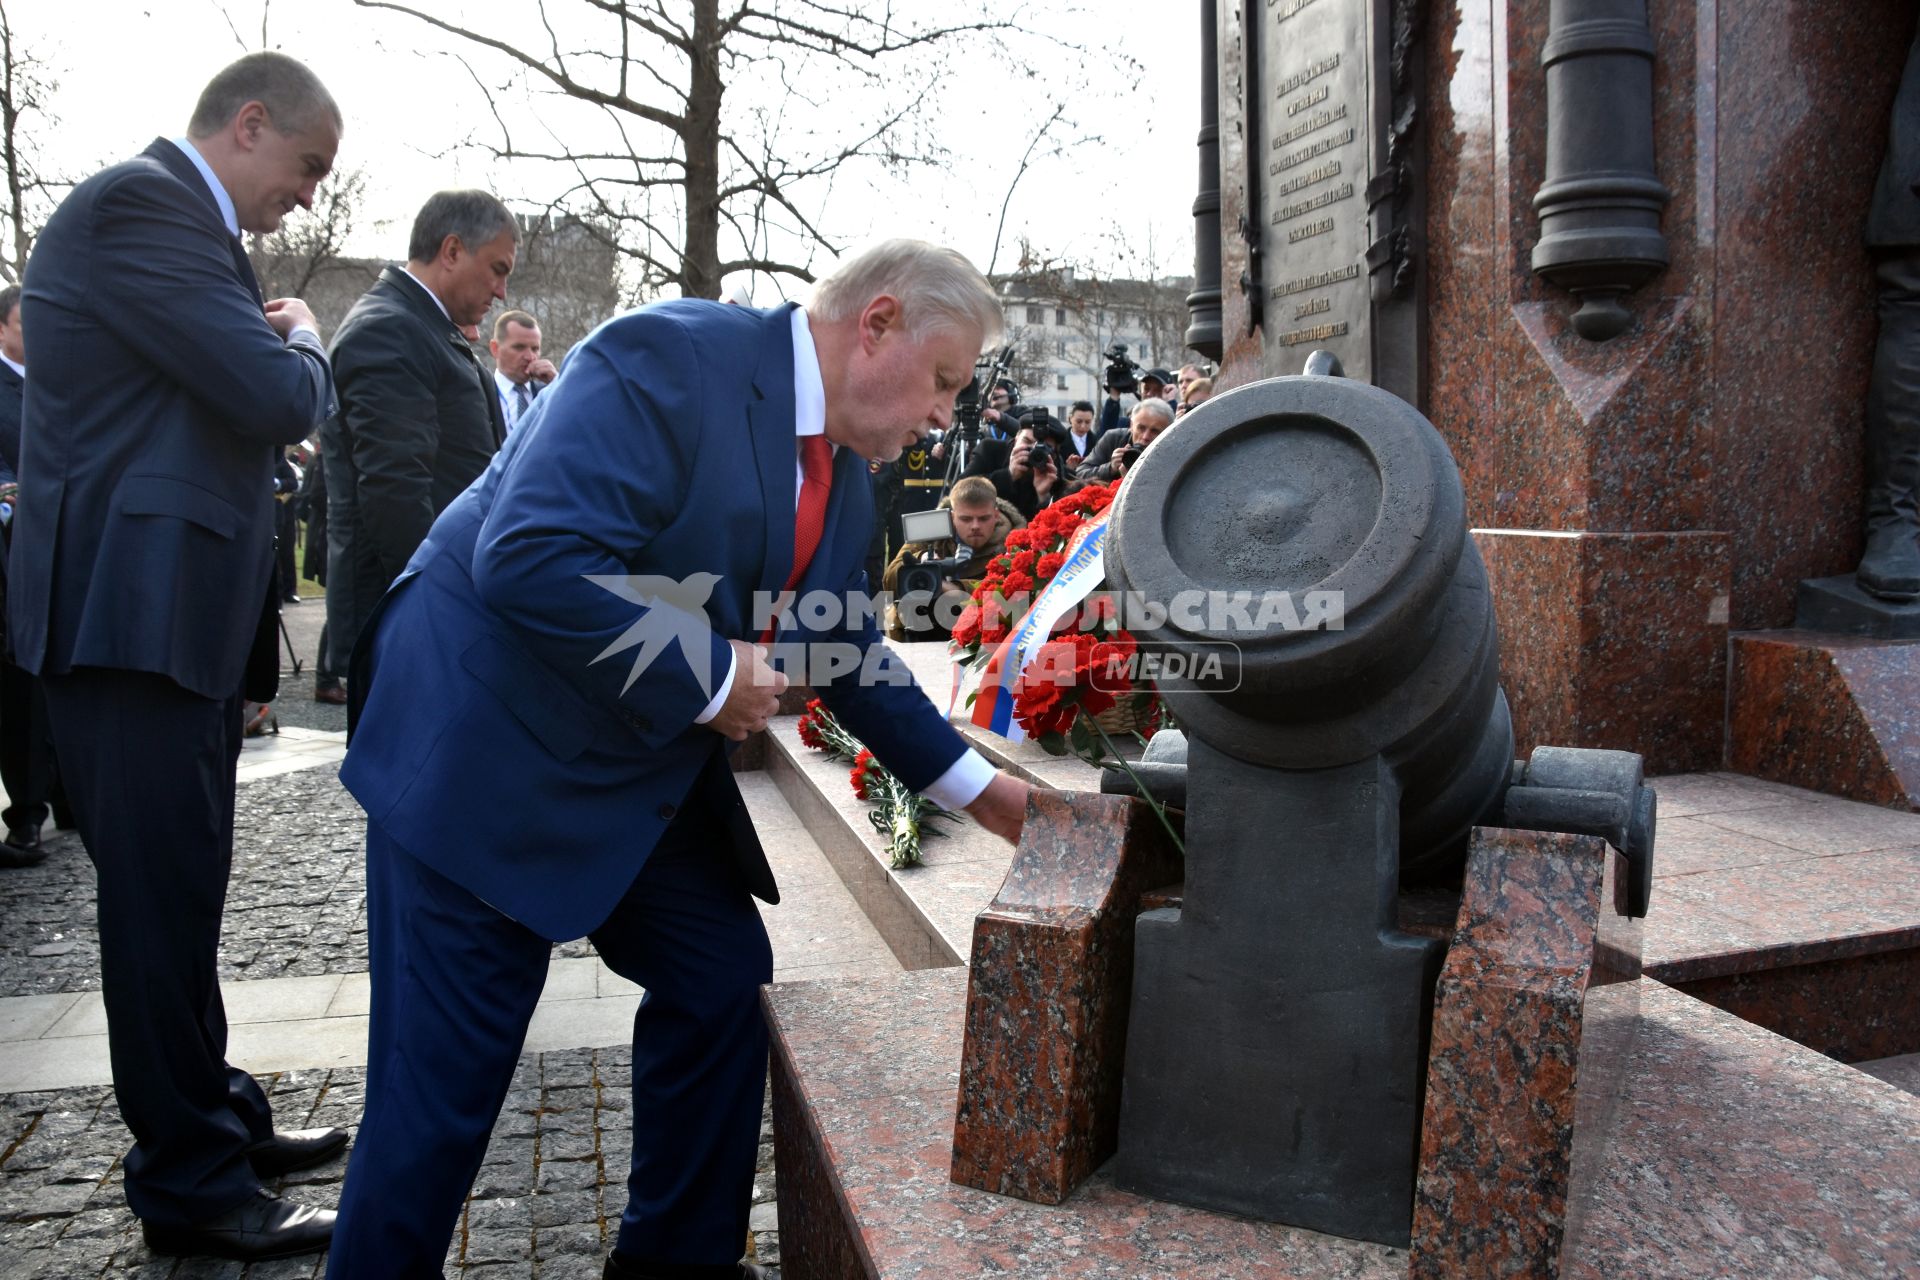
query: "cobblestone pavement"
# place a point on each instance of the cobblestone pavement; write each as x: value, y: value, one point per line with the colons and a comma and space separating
x: 295, y: 705
x: 295, y: 902
x: 546, y: 1205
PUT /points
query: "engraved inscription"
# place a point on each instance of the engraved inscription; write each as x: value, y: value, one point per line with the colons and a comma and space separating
x: 1329, y: 63
x: 1309, y: 231
x: 1318, y: 104
x: 1313, y: 99
x: 1318, y: 333
x: 1331, y: 169
x: 1312, y: 124
x: 1288, y: 212
x: 1318, y: 280
x: 1332, y: 142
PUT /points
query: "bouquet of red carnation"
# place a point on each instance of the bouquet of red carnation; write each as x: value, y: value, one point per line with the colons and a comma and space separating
x: 1085, y: 665
x: 899, y: 815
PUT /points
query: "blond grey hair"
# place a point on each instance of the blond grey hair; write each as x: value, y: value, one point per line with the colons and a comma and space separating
x: 939, y: 290
x: 1153, y: 407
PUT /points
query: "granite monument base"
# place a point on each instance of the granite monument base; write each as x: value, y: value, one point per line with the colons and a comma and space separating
x: 1838, y: 605
x: 1732, y: 1152
x: 1051, y: 979
x: 1533, y: 1021
x: 1832, y: 713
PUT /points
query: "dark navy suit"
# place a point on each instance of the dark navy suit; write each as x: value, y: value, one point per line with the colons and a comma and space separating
x: 523, y: 785
x: 12, y: 391
x: 139, y: 586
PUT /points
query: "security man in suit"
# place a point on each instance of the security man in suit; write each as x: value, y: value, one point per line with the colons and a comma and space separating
x: 575, y: 643
x: 1890, y: 567
x: 419, y: 416
x: 141, y: 594
x: 26, y: 741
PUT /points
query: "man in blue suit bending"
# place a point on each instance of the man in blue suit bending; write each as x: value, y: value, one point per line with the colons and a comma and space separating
x: 542, y: 750
x: 141, y: 592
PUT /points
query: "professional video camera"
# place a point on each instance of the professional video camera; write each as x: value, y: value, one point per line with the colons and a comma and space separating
x: 922, y: 578
x: 1123, y: 372
x: 966, y: 412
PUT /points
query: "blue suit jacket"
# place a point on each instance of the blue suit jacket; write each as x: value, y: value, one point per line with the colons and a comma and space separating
x: 500, y: 742
x: 160, y: 398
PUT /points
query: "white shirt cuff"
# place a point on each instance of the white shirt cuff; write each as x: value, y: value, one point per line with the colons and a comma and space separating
x: 306, y: 329
x: 726, y: 687
x: 962, y: 784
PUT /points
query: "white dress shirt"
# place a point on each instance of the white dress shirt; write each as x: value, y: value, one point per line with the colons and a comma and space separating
x: 968, y: 776
x: 510, y: 402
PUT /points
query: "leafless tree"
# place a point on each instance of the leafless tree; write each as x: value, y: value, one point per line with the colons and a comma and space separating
x: 25, y: 88
x: 310, y: 240
x: 710, y: 163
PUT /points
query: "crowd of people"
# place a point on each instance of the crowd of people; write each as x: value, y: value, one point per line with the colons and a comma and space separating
x: 1024, y: 460
x: 520, y: 789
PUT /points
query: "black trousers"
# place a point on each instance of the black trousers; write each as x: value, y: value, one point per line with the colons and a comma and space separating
x: 149, y: 769
x: 26, y: 750
x: 286, y: 532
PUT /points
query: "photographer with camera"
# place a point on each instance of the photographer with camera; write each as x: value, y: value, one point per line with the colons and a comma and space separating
x: 1124, y: 376
x: 1118, y: 450
x: 1034, y: 474
x: 931, y: 578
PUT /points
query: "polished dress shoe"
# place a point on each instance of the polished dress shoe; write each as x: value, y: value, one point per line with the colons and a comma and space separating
x: 22, y: 848
x: 619, y: 1268
x: 331, y: 693
x: 296, y: 1149
x: 260, y: 1227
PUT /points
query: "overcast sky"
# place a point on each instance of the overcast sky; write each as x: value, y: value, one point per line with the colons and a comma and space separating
x: 128, y: 70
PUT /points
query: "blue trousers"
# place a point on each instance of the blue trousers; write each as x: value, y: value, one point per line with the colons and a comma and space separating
x: 454, y: 985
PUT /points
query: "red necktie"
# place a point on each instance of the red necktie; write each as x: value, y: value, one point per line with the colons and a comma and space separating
x: 816, y: 470
x: 810, y: 515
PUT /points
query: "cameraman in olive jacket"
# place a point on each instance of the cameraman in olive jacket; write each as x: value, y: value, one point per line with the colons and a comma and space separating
x: 981, y: 523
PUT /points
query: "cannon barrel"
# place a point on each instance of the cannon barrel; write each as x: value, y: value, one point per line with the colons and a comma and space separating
x: 1318, y: 527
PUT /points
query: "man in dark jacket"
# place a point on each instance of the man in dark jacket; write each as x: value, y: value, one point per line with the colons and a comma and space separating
x: 140, y: 592
x: 26, y: 739
x: 419, y: 417
x: 1890, y: 567
x: 1117, y: 449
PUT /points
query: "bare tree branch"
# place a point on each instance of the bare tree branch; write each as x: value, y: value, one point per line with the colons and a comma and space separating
x: 691, y: 186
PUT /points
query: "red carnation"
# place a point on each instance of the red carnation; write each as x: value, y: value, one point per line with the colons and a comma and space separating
x: 1049, y: 564
x: 810, y: 734
x: 862, y: 766
x: 966, y: 628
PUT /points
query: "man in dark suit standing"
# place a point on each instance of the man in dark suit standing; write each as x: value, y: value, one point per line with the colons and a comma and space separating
x: 141, y: 593
x: 13, y: 382
x: 26, y: 741
x: 575, y: 643
x: 419, y: 416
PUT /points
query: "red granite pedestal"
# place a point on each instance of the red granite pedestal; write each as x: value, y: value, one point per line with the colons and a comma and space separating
x: 1049, y: 990
x: 1534, y: 1019
x: 1636, y: 498
x: 1839, y: 714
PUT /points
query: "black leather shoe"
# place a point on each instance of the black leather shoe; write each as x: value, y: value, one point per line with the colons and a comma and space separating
x: 260, y: 1227
x: 22, y: 848
x: 618, y: 1269
x: 297, y: 1149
